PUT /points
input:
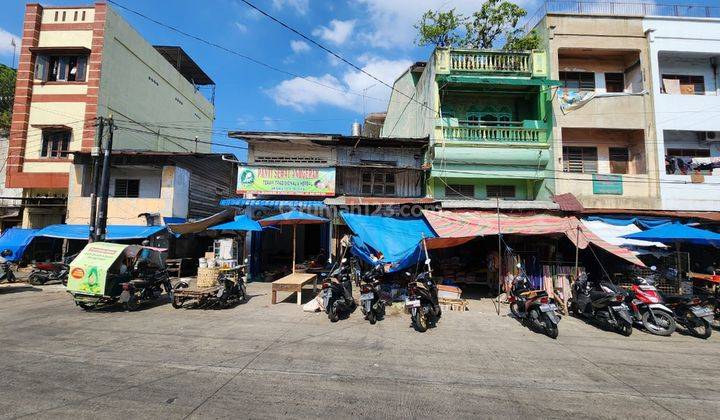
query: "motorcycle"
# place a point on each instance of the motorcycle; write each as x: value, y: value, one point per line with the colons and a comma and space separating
x: 533, y: 307
x: 423, y: 302
x: 372, y: 307
x: 647, y: 308
x: 229, y: 291
x: 148, y: 285
x: 6, y: 273
x: 690, y: 312
x: 337, y: 293
x: 51, y: 272
x: 603, y: 302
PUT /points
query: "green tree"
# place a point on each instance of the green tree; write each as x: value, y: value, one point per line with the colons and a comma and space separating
x: 495, y: 18
x: 439, y: 28
x: 519, y: 41
x: 7, y: 97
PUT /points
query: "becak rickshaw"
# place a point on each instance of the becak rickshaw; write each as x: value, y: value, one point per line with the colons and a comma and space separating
x: 106, y: 273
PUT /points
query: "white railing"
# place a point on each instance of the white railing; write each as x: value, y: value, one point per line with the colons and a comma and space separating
x: 490, y: 61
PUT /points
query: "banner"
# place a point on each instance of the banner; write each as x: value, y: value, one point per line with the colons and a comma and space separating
x: 607, y: 184
x: 286, y: 181
x: 88, y: 270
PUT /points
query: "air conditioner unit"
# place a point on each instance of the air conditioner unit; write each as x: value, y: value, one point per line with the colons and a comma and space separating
x: 709, y: 136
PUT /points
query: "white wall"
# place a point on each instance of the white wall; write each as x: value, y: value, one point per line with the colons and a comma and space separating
x: 684, y: 112
x: 149, y: 180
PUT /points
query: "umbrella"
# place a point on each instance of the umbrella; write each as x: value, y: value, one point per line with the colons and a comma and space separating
x: 294, y: 218
x: 677, y: 233
x: 241, y: 223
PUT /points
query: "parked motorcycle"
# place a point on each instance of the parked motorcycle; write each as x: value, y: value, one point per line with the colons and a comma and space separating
x: 51, y: 272
x: 690, y: 312
x: 372, y: 307
x: 6, y: 273
x: 337, y: 293
x: 423, y: 302
x: 603, y: 302
x: 647, y: 308
x: 148, y: 285
x: 533, y: 307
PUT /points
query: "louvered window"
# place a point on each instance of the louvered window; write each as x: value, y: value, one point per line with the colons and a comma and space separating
x: 580, y: 159
x: 127, y: 188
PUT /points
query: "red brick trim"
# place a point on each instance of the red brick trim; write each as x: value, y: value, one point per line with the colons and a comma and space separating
x: 48, y: 97
x: 19, y: 179
x: 93, y: 75
x: 65, y: 26
x: 49, y: 160
x: 23, y: 86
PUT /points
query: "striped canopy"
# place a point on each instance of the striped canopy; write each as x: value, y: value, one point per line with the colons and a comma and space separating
x: 449, y: 224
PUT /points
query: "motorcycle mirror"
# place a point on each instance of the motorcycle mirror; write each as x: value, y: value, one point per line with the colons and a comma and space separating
x: 653, y: 268
x: 407, y: 274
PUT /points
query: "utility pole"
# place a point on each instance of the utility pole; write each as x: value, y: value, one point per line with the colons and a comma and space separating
x: 95, y: 178
x: 101, y: 226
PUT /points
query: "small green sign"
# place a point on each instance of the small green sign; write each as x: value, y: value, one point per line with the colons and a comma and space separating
x: 607, y: 184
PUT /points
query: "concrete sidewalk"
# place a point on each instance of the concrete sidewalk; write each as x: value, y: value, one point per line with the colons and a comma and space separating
x: 260, y: 360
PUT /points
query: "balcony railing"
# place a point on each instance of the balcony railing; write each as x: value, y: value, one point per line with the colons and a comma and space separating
x: 494, y: 134
x: 491, y: 62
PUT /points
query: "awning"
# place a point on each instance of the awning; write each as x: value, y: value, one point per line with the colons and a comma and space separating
x: 114, y: 232
x: 16, y: 240
x: 614, y: 234
x: 449, y: 224
x: 677, y: 232
x: 202, y: 224
x: 514, y: 81
x: 299, y: 204
x: 643, y: 222
x: 396, y: 240
x: 239, y: 224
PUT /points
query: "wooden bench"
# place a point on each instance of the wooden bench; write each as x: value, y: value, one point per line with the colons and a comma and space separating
x: 293, y: 283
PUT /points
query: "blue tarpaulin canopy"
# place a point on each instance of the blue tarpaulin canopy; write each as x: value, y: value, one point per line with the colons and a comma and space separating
x: 288, y: 204
x: 241, y: 223
x: 293, y: 217
x: 399, y: 240
x: 16, y: 240
x: 643, y: 222
x: 114, y: 232
x: 676, y: 232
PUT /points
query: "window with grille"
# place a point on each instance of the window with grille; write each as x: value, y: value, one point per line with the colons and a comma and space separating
x: 61, y: 68
x: 127, y: 188
x: 55, y: 144
x: 459, y: 191
x: 580, y: 159
x: 614, y: 82
x: 290, y: 159
x: 619, y: 160
x: 578, y: 80
x: 500, y: 191
x: 378, y: 183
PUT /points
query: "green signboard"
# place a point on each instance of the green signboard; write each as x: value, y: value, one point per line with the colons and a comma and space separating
x: 286, y: 181
x: 607, y: 184
x: 89, y: 269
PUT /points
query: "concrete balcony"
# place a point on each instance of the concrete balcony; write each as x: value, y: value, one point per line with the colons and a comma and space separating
x: 491, y: 63
x: 493, y: 134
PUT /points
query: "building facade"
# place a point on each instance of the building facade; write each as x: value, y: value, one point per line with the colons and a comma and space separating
x: 684, y: 55
x: 80, y: 63
x: 489, y: 120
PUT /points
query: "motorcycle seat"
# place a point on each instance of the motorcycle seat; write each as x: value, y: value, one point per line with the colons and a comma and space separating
x: 597, y: 295
x: 677, y: 299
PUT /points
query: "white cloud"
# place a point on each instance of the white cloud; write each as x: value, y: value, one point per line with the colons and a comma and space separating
x: 300, y: 6
x: 391, y: 22
x: 337, y: 32
x: 240, y: 27
x: 5, y: 42
x: 269, y: 122
x: 299, y: 47
x: 306, y: 94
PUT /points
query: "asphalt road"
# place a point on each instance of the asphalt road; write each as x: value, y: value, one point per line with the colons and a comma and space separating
x: 266, y: 361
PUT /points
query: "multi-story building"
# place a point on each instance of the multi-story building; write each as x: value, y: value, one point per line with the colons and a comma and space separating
x: 80, y: 63
x: 488, y: 117
x: 684, y: 56
x: 604, y: 137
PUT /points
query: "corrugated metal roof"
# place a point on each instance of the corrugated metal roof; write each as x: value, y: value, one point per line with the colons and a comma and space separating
x: 244, y: 202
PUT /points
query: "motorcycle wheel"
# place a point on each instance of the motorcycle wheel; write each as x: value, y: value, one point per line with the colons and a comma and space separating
x: 419, y: 321
x: 177, y: 302
x: 701, y: 328
x: 624, y: 328
x: 381, y: 310
x: 37, y: 279
x: 333, y: 315
x: 371, y: 318
x: 132, y: 304
x: 551, y: 329
x: 515, y: 310
x: 85, y: 306
x: 666, y: 321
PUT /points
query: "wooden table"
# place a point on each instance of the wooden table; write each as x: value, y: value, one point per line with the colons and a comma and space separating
x: 293, y: 283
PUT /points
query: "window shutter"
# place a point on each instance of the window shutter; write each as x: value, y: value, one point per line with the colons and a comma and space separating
x: 81, y: 68
x: 41, y: 66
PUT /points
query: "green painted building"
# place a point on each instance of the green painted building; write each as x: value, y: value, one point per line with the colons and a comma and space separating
x: 489, y: 118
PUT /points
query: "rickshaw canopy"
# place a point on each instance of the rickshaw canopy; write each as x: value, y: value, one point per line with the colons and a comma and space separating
x: 89, y: 270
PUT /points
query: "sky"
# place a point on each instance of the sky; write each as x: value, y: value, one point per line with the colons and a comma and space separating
x: 313, y: 91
